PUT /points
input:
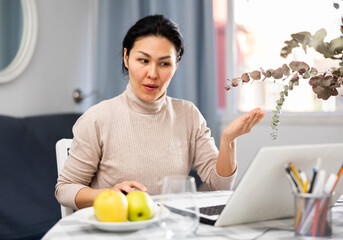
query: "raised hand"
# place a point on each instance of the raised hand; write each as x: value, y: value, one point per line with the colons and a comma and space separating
x: 243, y: 124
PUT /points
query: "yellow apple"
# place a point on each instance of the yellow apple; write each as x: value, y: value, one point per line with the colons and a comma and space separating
x: 111, y: 206
x: 141, y: 206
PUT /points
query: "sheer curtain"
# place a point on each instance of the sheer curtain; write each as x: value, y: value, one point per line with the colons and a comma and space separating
x: 196, y: 77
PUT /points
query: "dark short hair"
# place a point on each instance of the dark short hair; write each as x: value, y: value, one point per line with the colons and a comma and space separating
x: 153, y: 25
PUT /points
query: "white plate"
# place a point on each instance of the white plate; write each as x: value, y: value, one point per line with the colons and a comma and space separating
x: 87, y: 216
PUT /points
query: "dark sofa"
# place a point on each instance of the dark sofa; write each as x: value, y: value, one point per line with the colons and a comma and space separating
x: 28, y: 172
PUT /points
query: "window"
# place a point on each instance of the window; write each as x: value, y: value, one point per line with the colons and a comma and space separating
x: 260, y: 28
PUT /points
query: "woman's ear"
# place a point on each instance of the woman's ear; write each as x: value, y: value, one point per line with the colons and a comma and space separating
x: 126, y: 58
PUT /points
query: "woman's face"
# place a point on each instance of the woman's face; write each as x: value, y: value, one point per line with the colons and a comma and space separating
x: 151, y: 65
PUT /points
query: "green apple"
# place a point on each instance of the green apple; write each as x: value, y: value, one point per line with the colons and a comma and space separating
x: 141, y: 206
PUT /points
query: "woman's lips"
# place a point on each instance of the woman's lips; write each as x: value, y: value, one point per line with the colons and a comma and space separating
x: 149, y: 87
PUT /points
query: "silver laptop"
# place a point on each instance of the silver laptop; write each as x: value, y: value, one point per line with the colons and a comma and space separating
x: 264, y: 192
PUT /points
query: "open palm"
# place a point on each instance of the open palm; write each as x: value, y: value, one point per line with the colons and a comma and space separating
x: 243, y: 123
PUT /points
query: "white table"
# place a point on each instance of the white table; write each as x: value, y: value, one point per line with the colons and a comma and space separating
x: 70, y: 228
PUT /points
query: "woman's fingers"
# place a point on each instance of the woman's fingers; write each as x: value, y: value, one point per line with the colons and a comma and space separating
x: 129, y: 186
x: 256, y: 117
x: 244, y: 123
x: 138, y: 185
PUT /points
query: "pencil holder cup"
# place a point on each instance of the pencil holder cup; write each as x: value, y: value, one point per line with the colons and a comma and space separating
x: 312, y: 215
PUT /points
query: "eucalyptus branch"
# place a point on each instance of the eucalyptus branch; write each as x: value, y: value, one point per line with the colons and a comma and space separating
x: 324, y: 85
x: 277, y: 112
x: 305, y: 39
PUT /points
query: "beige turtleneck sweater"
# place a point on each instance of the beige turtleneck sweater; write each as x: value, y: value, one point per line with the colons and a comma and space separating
x: 125, y: 138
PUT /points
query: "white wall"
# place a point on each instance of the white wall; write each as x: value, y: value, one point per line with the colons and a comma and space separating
x: 61, y: 62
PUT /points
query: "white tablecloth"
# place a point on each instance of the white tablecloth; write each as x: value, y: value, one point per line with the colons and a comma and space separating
x: 70, y: 228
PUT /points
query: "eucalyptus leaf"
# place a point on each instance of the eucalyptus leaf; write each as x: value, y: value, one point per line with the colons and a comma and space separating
x: 234, y: 82
x: 294, y: 78
x: 334, y: 92
x: 313, y: 72
x: 318, y: 38
x: 256, y: 75
x: 336, y: 46
x: 324, y: 49
x: 325, y: 93
x: 277, y: 74
x: 315, y: 81
x: 301, y: 36
x: 285, y: 51
x: 318, y: 89
x: 286, y: 70
x: 292, y: 43
x: 304, y: 38
x: 297, y: 65
x: 326, y: 81
x: 275, y: 123
x: 306, y: 75
x: 245, y: 77
x: 267, y: 73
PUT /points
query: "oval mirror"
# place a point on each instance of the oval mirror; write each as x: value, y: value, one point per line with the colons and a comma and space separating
x: 20, y: 51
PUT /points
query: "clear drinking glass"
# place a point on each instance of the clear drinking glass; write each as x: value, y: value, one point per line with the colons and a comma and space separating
x: 179, y: 192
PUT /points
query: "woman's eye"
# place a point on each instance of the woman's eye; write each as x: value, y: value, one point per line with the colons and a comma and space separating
x: 165, y: 64
x: 143, y: 60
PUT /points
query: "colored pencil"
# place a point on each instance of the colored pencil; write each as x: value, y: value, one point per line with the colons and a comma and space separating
x: 300, y: 207
x: 313, y: 180
x: 338, y: 176
x: 296, y: 174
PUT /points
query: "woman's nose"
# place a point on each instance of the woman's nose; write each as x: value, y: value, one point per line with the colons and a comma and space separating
x: 152, y: 71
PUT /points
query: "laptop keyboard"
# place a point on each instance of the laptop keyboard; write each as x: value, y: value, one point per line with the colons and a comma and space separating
x: 212, y: 210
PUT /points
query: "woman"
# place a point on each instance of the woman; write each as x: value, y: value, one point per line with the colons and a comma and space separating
x: 131, y: 141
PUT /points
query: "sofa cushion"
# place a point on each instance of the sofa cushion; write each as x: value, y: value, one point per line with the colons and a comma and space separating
x: 28, y: 173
